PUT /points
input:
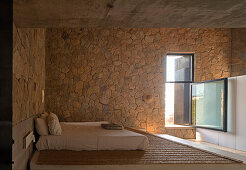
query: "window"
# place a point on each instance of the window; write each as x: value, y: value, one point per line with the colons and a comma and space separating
x: 209, y: 103
x: 179, y: 75
x: 201, y: 104
x: 179, y: 68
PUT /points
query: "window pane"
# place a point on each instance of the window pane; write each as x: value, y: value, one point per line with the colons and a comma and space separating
x: 169, y: 104
x: 208, y: 104
x: 179, y: 68
x: 181, y: 103
x: 177, y: 97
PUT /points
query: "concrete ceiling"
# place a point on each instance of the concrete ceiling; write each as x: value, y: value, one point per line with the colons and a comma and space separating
x: 130, y: 13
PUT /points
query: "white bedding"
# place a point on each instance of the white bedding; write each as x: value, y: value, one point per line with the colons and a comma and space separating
x: 91, y: 136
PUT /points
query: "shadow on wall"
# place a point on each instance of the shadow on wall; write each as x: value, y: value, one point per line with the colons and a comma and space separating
x: 238, y: 52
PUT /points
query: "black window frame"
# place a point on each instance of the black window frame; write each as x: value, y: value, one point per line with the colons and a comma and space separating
x: 224, y: 129
x: 183, y: 82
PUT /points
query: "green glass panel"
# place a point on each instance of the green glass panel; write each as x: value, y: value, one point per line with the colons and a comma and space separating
x: 208, y: 104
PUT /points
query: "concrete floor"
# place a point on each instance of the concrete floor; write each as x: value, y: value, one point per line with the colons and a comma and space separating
x: 232, y: 153
x: 243, y: 153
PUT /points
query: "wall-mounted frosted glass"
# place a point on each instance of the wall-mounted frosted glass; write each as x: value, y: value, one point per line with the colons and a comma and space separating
x: 209, y: 103
x: 179, y: 68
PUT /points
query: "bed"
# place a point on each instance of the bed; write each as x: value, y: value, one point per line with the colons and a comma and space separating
x: 80, y: 136
x: 162, y: 153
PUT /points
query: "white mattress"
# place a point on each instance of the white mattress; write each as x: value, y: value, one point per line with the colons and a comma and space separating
x: 91, y: 136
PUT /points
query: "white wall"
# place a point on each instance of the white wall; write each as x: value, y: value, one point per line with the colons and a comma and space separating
x: 236, y: 118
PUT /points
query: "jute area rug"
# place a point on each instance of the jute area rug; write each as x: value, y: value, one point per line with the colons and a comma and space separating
x: 160, y: 151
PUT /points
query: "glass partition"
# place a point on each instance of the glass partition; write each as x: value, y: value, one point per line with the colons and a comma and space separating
x: 209, y: 103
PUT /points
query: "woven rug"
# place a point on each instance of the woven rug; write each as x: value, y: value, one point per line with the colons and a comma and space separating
x: 160, y: 151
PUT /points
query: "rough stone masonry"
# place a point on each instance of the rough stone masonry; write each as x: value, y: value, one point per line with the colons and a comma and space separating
x: 97, y: 74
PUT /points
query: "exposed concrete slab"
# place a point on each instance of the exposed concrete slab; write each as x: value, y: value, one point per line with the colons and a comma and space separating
x: 130, y: 13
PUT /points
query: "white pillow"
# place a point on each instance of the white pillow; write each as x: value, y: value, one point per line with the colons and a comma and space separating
x: 44, y: 116
x: 53, y: 124
x: 41, y: 126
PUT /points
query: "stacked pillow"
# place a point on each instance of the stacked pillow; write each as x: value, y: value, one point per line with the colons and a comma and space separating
x: 41, y: 124
x: 53, y: 124
x: 48, y: 124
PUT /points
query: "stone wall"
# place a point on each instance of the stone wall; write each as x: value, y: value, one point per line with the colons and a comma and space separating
x: 28, y: 72
x: 97, y: 74
x: 184, y: 133
x: 238, y: 52
x: 213, y: 55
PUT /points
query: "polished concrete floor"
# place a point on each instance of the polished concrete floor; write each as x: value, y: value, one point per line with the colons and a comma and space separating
x: 235, y: 154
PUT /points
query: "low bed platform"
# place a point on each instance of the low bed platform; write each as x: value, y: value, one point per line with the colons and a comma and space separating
x: 160, y: 154
x: 79, y: 136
